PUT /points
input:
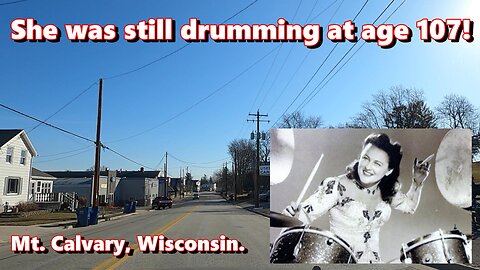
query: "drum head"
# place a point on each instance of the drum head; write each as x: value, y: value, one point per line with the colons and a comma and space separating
x: 453, y: 167
x: 310, y: 245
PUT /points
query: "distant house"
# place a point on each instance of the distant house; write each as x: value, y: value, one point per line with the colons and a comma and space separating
x: 173, y: 186
x: 16, y: 153
x: 141, y: 186
x: 40, y: 183
x: 80, y: 182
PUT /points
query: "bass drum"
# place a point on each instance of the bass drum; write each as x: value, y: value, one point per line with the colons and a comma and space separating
x: 310, y: 245
x: 437, y: 247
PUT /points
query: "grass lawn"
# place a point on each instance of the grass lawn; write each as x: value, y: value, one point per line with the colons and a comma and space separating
x: 38, y: 219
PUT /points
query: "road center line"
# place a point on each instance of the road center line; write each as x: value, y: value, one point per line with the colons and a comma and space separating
x: 114, y: 262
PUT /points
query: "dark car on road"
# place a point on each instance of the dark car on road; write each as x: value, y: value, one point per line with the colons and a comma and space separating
x: 162, y: 202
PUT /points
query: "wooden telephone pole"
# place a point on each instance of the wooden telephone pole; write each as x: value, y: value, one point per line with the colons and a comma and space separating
x: 98, y: 145
x: 257, y: 167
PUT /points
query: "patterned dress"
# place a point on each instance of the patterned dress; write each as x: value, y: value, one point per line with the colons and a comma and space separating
x: 350, y: 219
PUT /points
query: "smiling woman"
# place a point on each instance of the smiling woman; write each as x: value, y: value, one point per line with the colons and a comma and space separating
x: 360, y: 201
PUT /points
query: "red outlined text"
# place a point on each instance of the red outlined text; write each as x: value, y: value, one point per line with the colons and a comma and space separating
x: 386, y: 35
x: 93, y: 32
x: 160, y: 243
x: 29, y: 30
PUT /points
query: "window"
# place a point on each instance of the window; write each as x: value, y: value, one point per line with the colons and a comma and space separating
x: 33, y: 188
x: 39, y: 186
x: 9, y: 155
x: 13, y: 186
x: 23, y: 157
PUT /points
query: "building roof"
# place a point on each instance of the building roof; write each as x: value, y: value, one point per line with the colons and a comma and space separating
x: 139, y: 174
x: 41, y: 175
x: 73, y: 181
x: 75, y: 174
x: 7, y: 135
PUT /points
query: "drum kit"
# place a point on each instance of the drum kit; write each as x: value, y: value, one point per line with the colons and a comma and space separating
x: 304, y: 244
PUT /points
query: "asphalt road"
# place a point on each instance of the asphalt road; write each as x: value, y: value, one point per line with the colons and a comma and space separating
x: 206, y: 218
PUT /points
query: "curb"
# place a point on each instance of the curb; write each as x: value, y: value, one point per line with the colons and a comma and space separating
x: 248, y: 208
x: 257, y: 212
x: 71, y: 223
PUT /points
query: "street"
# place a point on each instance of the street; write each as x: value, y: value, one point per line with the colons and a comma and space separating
x: 206, y: 218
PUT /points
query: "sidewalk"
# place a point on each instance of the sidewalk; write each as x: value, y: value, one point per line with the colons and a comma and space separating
x: 249, y: 205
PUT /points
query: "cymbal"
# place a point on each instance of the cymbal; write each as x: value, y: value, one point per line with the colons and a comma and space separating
x: 453, y: 167
x: 280, y: 220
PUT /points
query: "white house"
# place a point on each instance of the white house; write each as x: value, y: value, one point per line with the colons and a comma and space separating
x: 16, y: 153
x: 40, y: 185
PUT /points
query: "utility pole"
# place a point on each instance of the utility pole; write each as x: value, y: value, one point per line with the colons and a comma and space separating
x: 180, y: 182
x: 235, y: 175
x: 234, y: 180
x: 226, y: 182
x: 257, y: 173
x: 98, y: 145
x: 166, y: 185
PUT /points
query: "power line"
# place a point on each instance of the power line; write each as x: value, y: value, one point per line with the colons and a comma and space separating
x: 73, y: 134
x: 316, y: 90
x: 12, y: 2
x: 187, y: 162
x: 240, y: 11
x: 271, y: 68
x: 200, y: 101
x: 160, y: 162
x: 64, y: 106
x: 174, y: 51
x: 63, y: 153
x: 45, y: 123
x: 316, y: 71
x: 303, y: 60
x: 76, y: 154
x: 127, y: 158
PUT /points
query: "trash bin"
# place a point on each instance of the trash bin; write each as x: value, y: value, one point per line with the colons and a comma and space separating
x: 133, y: 207
x: 127, y: 207
x: 93, y: 219
x: 83, y: 216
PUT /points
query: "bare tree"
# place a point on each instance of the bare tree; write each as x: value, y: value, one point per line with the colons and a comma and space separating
x: 299, y: 120
x: 456, y: 111
x: 397, y: 108
x: 265, y: 148
x: 245, y: 158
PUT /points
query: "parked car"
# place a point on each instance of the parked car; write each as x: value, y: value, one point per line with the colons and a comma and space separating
x: 196, y: 196
x: 264, y: 196
x: 162, y: 202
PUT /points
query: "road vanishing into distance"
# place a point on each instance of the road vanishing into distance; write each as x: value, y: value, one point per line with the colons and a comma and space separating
x: 206, y: 218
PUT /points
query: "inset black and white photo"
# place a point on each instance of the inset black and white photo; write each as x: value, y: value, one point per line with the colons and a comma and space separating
x: 370, y: 196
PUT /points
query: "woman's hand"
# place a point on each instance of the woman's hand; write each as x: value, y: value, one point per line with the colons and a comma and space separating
x: 421, y: 169
x: 291, y: 210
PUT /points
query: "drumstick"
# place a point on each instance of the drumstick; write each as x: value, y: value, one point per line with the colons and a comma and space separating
x: 427, y: 159
x: 309, y: 180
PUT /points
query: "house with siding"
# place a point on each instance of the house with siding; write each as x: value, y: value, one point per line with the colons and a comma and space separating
x: 80, y: 182
x: 141, y: 186
x: 16, y: 153
x: 40, y: 183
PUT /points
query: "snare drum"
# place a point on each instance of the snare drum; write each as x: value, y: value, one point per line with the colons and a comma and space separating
x: 437, y: 247
x: 310, y: 245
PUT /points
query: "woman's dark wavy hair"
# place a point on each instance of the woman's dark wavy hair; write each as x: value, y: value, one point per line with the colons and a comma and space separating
x: 394, y: 151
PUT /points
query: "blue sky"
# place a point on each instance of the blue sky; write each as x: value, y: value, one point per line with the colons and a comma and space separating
x: 39, y: 78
